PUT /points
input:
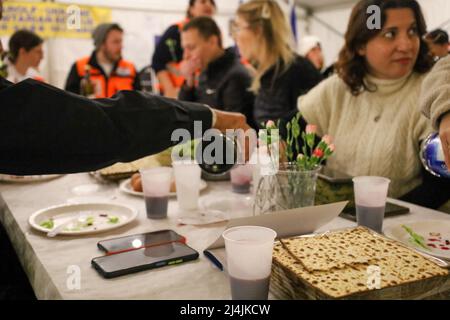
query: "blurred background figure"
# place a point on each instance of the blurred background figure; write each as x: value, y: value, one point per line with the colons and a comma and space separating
x: 310, y: 48
x: 438, y: 42
x: 105, y: 72
x: 281, y: 76
x: 24, y: 56
x: 169, y: 53
x: 223, y: 81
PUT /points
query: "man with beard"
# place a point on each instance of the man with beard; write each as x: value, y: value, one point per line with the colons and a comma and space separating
x: 108, y: 71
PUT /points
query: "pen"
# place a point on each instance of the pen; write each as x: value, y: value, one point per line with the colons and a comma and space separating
x: 213, y: 259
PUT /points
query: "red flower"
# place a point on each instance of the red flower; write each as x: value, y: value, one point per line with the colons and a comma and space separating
x: 318, y: 153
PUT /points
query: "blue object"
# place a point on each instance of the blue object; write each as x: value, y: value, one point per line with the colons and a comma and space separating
x: 432, y: 156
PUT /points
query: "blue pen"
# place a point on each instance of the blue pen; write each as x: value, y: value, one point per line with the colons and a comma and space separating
x: 213, y: 259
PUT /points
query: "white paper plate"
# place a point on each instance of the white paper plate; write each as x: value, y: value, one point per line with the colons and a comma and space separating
x: 27, y: 179
x: 125, y: 186
x: 428, y: 230
x: 101, y: 212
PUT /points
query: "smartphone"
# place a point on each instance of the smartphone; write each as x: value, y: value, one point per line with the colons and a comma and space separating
x: 334, y: 176
x: 390, y: 211
x: 124, y: 263
x: 144, y: 240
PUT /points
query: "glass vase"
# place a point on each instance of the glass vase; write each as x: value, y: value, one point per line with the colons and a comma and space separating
x: 289, y: 188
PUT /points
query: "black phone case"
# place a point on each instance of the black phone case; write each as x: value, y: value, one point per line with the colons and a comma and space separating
x: 391, y: 211
x: 157, y: 264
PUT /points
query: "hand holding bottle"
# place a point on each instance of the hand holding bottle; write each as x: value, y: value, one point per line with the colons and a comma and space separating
x: 444, y: 133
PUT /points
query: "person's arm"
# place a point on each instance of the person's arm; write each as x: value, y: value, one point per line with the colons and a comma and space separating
x: 45, y: 130
x: 167, y: 50
x: 435, y: 102
x: 170, y: 91
x: 73, y: 80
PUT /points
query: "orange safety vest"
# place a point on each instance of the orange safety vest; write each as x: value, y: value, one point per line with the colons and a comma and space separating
x: 122, y: 78
x: 174, y: 67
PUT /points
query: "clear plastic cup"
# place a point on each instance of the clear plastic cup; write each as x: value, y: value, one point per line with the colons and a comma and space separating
x: 156, y: 184
x: 187, y: 179
x: 370, y: 200
x: 249, y: 256
x: 241, y: 178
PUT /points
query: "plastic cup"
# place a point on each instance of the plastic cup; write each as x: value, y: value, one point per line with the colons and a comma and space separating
x: 249, y: 256
x: 241, y: 178
x: 187, y: 179
x: 156, y: 185
x: 370, y: 200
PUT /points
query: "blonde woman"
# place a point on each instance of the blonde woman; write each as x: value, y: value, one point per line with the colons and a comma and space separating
x: 265, y: 40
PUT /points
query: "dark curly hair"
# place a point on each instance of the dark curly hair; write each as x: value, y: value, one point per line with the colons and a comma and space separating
x: 351, y: 66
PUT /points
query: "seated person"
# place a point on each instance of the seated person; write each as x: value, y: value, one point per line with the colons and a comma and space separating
x: 25, y: 55
x: 264, y: 39
x: 371, y: 106
x: 109, y: 72
x: 223, y: 82
x: 438, y: 43
x: 311, y: 49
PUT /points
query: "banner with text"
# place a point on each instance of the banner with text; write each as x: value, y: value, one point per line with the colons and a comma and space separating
x: 51, y: 20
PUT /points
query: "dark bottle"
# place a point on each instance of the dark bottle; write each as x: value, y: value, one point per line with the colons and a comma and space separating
x: 217, y: 155
x: 87, y: 87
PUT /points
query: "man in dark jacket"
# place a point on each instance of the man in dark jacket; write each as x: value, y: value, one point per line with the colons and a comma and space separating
x: 214, y: 76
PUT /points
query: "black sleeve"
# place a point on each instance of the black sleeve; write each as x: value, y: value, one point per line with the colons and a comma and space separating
x: 44, y: 130
x: 73, y: 80
x: 187, y: 94
x: 163, y: 55
x: 137, y: 81
x: 237, y: 97
x: 305, y: 78
x: 433, y: 193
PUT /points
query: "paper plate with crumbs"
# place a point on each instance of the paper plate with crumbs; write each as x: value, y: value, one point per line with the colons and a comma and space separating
x: 82, y: 219
x: 431, y: 237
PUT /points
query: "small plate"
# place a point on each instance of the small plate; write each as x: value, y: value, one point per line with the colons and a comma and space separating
x: 435, y: 233
x: 101, y: 214
x: 28, y: 179
x: 125, y: 186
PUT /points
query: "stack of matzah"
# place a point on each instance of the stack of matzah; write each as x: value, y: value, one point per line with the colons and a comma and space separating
x: 337, y: 265
x: 120, y: 170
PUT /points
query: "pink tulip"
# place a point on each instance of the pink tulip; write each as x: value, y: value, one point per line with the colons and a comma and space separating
x: 332, y: 147
x: 327, y: 139
x: 311, y: 129
x: 270, y: 124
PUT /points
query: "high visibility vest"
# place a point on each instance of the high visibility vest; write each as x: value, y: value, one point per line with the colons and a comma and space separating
x: 122, y: 78
x: 173, y: 68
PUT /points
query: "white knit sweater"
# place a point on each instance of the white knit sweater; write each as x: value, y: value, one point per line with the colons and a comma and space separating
x: 376, y: 133
x: 435, y: 97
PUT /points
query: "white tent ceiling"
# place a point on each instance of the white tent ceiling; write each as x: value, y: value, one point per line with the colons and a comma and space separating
x: 324, y: 4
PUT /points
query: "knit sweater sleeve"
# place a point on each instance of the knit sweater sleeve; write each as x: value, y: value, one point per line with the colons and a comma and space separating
x: 316, y: 105
x: 435, y: 95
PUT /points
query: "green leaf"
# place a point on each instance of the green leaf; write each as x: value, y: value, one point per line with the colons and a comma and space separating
x: 48, y: 224
x: 416, y: 238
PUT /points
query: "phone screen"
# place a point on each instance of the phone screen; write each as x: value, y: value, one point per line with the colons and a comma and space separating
x: 140, y: 241
x: 144, y: 259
